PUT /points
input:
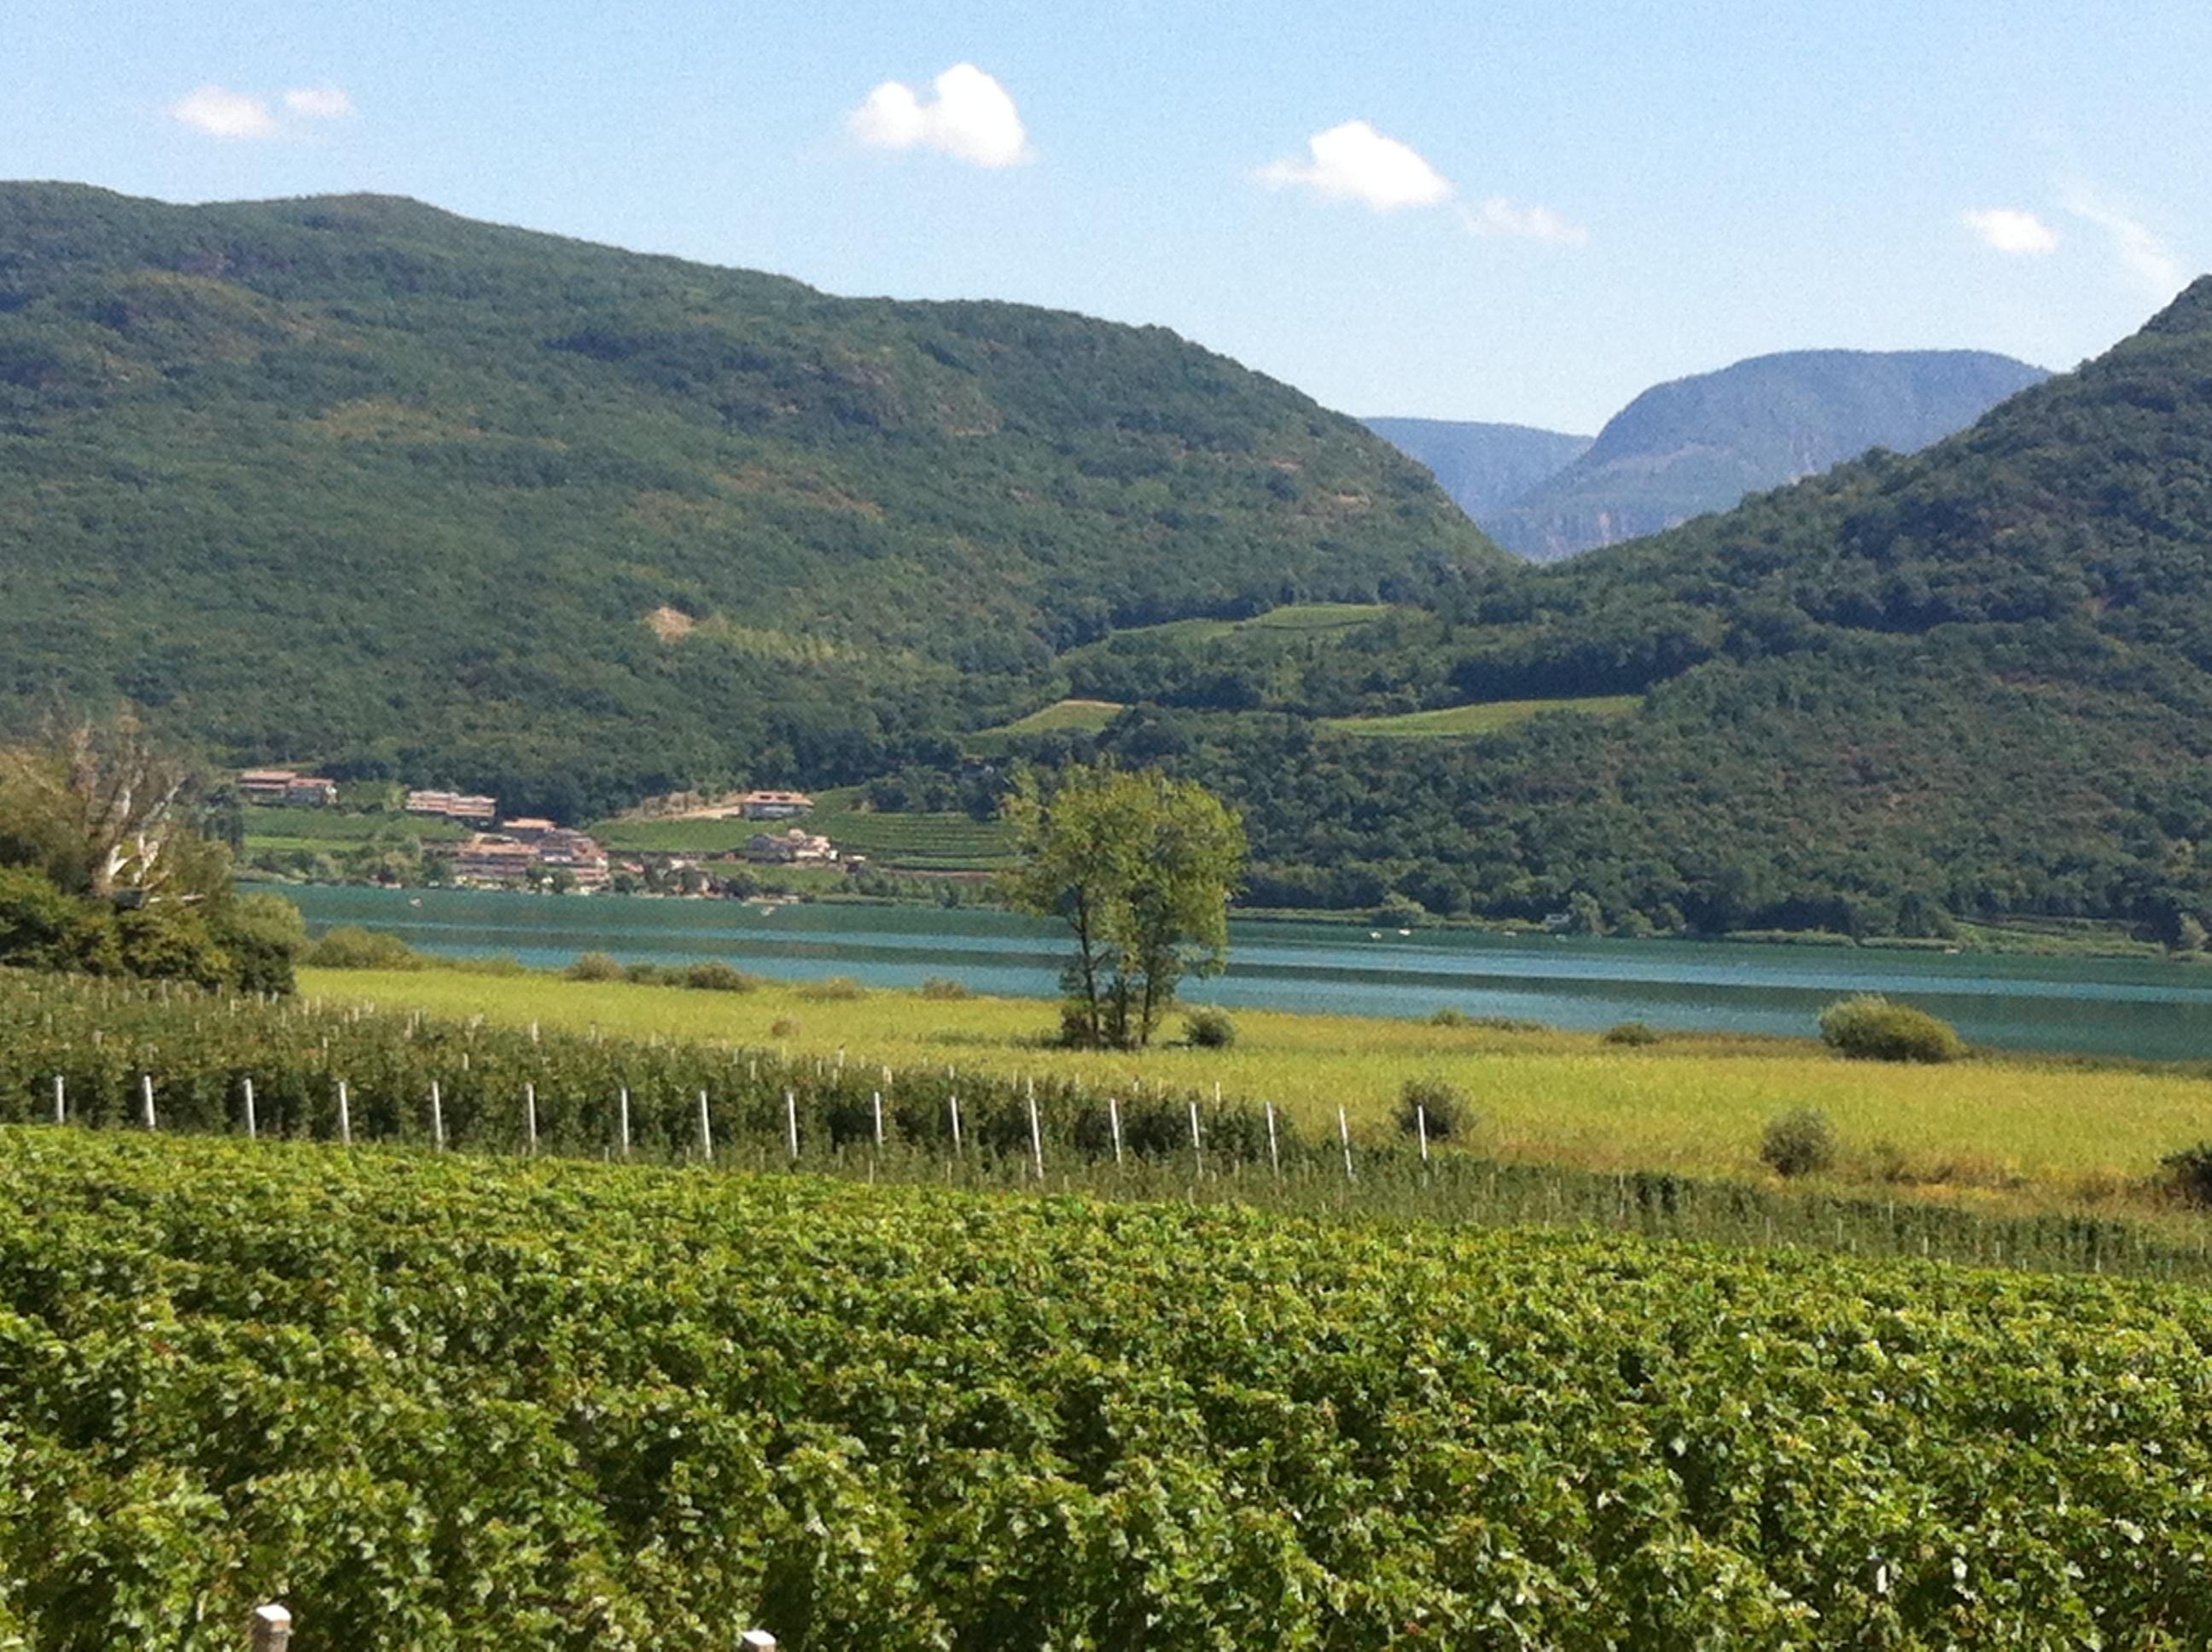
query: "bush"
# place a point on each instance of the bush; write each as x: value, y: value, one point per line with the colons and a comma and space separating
x: 594, y: 966
x: 1441, y: 1105
x: 350, y: 947
x: 945, y: 990
x: 1874, y: 1029
x: 1799, y: 1143
x: 1513, y: 1024
x: 1634, y: 1033
x: 1448, y: 1017
x: 838, y: 989
x: 783, y: 1027
x: 2189, y: 1173
x: 1209, y: 1029
x: 713, y: 975
x: 651, y: 974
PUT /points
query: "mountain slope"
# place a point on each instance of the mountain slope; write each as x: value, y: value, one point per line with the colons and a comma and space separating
x: 1972, y: 682
x: 357, y: 481
x: 1484, y: 467
x: 1700, y: 443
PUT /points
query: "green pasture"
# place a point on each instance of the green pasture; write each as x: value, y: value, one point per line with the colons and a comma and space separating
x: 1486, y: 718
x: 2012, y: 1133
x: 271, y: 827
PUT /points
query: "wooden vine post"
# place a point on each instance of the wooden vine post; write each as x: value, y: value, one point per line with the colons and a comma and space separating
x: 272, y: 1627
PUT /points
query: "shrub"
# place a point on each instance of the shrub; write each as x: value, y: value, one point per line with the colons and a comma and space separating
x: 1635, y: 1033
x: 1441, y: 1105
x: 2189, y: 1173
x: 1209, y: 1029
x: 945, y: 990
x: 838, y: 989
x: 1448, y: 1017
x: 1513, y: 1024
x: 651, y: 974
x: 713, y: 975
x: 1799, y: 1143
x: 1874, y: 1029
x: 350, y: 947
x: 594, y: 966
x: 783, y: 1027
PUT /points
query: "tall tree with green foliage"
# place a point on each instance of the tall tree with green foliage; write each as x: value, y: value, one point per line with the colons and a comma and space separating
x: 1141, y: 868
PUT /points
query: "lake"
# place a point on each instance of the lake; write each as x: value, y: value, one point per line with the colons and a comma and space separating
x: 2102, y: 1006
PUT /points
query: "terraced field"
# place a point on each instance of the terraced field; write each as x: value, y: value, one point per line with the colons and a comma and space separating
x: 1486, y: 718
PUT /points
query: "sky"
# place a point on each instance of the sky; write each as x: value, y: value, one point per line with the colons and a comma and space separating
x: 1525, y: 212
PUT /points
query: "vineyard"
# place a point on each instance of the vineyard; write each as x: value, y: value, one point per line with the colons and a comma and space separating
x: 462, y: 1403
x: 117, y: 1055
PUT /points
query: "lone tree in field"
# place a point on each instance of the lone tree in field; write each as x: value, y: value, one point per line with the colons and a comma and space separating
x: 1141, y: 868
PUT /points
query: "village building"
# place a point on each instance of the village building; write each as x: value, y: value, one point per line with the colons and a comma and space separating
x: 489, y: 858
x: 577, y: 854
x: 453, y: 806
x: 287, y: 786
x: 793, y: 848
x: 774, y: 806
x: 529, y: 827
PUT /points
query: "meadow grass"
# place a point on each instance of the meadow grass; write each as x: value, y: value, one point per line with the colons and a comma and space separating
x: 1089, y: 716
x: 1486, y: 718
x: 2017, y: 1132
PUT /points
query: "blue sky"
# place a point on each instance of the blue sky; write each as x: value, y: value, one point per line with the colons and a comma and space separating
x: 1508, y: 210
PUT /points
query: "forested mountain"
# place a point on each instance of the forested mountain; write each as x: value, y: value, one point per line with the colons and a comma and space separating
x: 354, y: 481
x: 1974, y: 681
x: 1484, y: 467
x: 1701, y: 444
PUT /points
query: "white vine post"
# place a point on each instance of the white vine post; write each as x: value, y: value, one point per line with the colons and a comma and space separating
x: 624, y: 1121
x: 879, y: 1120
x: 530, y: 1115
x: 146, y: 1097
x: 706, y: 1131
x: 437, y: 1118
x: 1036, y: 1137
x: 956, y: 1126
x: 272, y: 1627
x: 1421, y: 1124
x: 1344, y: 1135
x: 345, y: 1116
x: 791, y: 1121
x: 758, y: 1640
x: 1197, y: 1151
x: 61, y: 1102
x: 252, y: 1127
x: 1113, y: 1120
x: 1274, y: 1156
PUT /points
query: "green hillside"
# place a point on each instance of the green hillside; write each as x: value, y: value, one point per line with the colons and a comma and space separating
x: 355, y: 481
x: 1974, y: 681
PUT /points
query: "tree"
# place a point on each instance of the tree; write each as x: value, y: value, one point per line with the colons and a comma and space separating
x: 1140, y: 867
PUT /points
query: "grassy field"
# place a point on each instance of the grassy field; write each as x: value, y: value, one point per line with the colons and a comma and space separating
x: 1486, y: 718
x: 319, y: 829
x: 915, y: 842
x: 2022, y: 1133
x: 1086, y: 715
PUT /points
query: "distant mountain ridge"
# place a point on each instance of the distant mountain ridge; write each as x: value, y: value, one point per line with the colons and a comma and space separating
x: 1484, y: 467
x: 1703, y: 443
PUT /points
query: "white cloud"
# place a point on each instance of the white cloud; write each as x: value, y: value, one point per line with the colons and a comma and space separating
x: 1355, y: 162
x: 1499, y: 216
x: 2139, y: 251
x: 224, y: 113
x: 319, y: 102
x: 2007, y: 230
x: 972, y: 119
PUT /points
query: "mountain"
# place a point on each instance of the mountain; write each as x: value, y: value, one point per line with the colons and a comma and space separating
x: 1973, y: 682
x: 356, y: 481
x: 1700, y: 443
x: 1484, y: 467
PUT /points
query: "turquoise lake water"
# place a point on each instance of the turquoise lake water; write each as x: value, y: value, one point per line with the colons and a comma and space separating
x: 2149, y: 1009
